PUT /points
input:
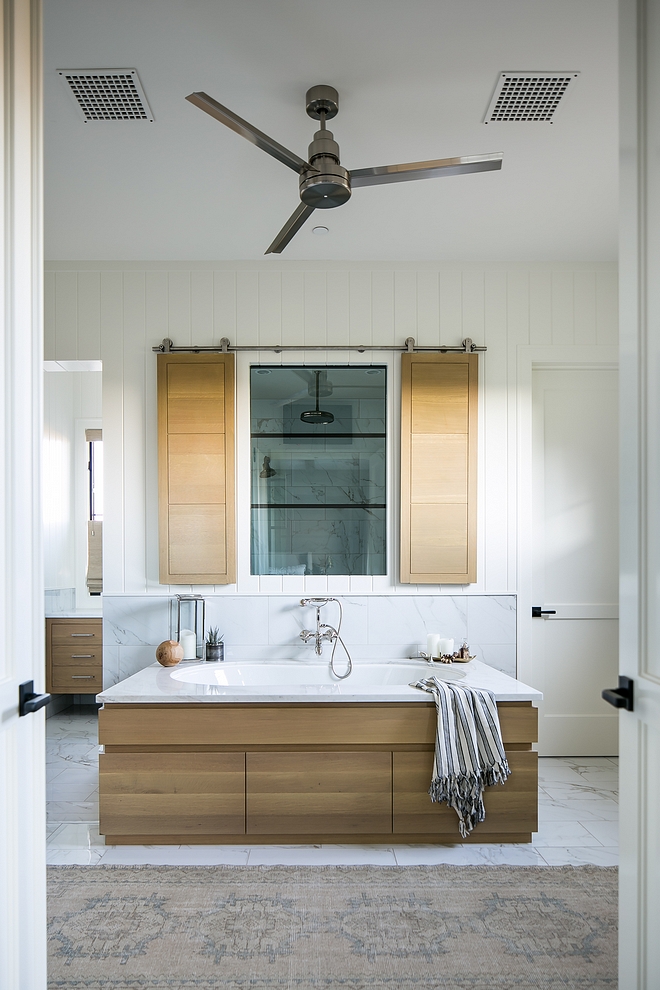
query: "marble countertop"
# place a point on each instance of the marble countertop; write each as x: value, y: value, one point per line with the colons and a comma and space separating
x: 155, y: 685
x: 72, y: 613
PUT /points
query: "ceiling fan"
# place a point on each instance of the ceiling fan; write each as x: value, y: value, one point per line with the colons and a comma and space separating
x: 324, y: 183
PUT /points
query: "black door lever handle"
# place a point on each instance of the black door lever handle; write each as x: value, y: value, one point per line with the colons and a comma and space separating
x: 538, y: 611
x: 28, y: 701
x: 621, y: 697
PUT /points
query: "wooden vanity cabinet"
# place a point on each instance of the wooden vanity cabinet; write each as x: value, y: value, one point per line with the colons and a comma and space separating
x: 183, y: 773
x: 74, y: 656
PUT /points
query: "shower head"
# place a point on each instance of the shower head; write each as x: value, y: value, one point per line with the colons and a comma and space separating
x: 317, y: 416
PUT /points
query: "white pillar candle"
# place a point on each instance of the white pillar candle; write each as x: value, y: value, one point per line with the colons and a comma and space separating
x: 189, y: 643
x: 446, y: 647
x: 432, y: 641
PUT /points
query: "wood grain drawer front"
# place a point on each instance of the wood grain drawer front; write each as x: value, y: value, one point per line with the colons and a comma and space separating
x: 511, y: 807
x: 78, y: 655
x: 72, y: 679
x: 76, y: 633
x: 172, y: 793
x: 322, y: 793
x: 279, y: 725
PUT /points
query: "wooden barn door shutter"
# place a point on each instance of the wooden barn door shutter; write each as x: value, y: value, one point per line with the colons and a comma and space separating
x: 439, y: 468
x: 196, y: 468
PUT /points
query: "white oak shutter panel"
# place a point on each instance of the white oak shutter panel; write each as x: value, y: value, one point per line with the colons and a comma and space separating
x: 196, y: 468
x: 439, y: 468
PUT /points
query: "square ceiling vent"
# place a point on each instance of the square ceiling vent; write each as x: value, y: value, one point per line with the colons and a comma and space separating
x: 107, y: 94
x: 524, y: 97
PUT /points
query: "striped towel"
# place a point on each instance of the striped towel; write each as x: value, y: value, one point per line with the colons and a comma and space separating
x: 469, y: 752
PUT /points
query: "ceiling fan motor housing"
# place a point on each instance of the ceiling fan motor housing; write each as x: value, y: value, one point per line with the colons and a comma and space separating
x: 329, y: 185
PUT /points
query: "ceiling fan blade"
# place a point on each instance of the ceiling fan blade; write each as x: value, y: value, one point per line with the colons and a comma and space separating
x: 231, y: 119
x: 290, y: 228
x: 423, y: 170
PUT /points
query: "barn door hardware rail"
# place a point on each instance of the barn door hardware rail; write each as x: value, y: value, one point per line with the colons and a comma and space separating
x: 467, y: 346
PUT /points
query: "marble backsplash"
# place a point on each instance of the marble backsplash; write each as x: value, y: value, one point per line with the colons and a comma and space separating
x: 268, y: 627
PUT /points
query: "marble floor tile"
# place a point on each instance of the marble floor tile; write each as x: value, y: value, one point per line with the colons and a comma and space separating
x: 605, y: 832
x: 72, y: 811
x: 563, y: 834
x: 82, y: 790
x: 84, y: 856
x: 579, y: 792
x: 76, y: 835
x: 580, y: 855
x: 465, y: 854
x: 174, y: 855
x: 328, y: 855
x: 596, y: 810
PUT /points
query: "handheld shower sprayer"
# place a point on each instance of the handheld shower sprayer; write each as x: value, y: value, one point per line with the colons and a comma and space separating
x: 325, y: 631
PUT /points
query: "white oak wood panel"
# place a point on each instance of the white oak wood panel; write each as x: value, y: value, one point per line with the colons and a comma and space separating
x: 196, y: 468
x: 438, y: 468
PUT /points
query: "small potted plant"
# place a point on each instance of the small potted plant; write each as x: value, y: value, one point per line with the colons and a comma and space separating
x: 215, y: 648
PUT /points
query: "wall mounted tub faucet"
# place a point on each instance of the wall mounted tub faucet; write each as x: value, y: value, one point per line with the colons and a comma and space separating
x: 326, y: 632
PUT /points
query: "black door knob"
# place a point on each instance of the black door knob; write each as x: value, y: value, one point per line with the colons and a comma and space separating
x: 28, y: 701
x: 621, y: 697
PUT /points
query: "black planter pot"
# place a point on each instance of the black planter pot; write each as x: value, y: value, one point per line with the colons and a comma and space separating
x: 215, y: 651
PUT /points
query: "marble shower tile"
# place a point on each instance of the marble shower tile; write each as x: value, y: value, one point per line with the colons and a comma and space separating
x: 406, y: 619
x: 501, y: 657
x: 134, y: 658
x: 491, y: 619
x: 243, y: 619
x: 135, y: 620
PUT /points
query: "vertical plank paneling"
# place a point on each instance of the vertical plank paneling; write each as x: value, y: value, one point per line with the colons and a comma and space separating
x: 360, y: 307
x: 584, y: 297
x: 338, y: 308
x: 428, y: 309
x: 134, y: 436
x: 517, y: 305
x: 315, y: 308
x: 112, y: 355
x: 540, y: 308
x: 89, y: 316
x: 270, y: 307
x: 451, y: 307
x: 607, y: 308
x: 66, y: 315
x: 156, y: 288
x: 493, y: 468
x: 50, y: 339
x: 224, y: 306
x: 293, y: 307
x: 247, y: 307
x: 562, y: 308
x: 405, y: 305
x: 473, y: 306
x: 382, y: 307
x: 201, y: 306
x: 178, y: 307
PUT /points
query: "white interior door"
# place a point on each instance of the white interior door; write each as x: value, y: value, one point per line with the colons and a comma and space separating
x: 575, y: 558
x: 639, y: 831
x: 22, y: 751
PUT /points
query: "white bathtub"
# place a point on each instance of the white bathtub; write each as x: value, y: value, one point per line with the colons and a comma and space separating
x: 277, y: 673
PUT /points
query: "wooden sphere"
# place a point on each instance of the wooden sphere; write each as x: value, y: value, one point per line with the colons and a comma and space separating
x: 169, y: 653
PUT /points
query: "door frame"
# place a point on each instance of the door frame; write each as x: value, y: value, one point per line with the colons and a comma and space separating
x: 528, y: 360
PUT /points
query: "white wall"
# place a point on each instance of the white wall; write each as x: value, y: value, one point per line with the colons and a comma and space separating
x: 117, y: 312
x: 71, y: 400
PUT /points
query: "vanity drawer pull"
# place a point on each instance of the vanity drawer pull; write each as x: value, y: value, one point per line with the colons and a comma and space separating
x: 82, y: 656
x: 83, y: 635
x: 82, y: 677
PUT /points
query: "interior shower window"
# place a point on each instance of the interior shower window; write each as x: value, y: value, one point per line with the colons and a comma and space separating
x: 95, y: 468
x: 318, y: 469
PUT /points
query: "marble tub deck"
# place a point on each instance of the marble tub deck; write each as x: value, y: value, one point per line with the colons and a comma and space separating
x: 578, y: 818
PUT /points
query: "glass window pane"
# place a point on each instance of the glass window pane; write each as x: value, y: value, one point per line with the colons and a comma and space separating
x: 318, y: 470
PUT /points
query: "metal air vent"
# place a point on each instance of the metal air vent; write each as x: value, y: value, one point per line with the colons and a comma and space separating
x: 107, y: 94
x: 521, y: 97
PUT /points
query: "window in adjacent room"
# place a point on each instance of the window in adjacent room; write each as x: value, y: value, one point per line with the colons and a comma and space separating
x: 318, y: 469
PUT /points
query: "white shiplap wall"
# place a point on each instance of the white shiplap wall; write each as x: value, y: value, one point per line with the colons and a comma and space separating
x: 119, y: 311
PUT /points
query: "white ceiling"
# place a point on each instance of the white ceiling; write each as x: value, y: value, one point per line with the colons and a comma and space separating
x: 414, y: 77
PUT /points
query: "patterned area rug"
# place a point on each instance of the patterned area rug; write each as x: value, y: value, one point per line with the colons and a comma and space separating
x: 332, y: 928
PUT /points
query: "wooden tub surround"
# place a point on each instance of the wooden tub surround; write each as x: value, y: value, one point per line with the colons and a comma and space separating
x: 296, y: 773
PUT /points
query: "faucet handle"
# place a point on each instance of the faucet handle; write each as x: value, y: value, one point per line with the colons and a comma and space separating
x: 306, y: 635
